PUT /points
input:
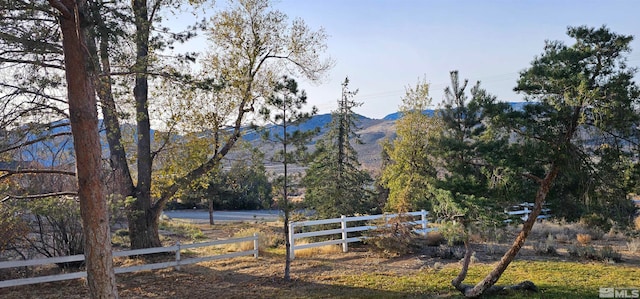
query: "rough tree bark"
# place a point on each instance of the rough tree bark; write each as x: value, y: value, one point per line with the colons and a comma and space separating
x: 84, y: 127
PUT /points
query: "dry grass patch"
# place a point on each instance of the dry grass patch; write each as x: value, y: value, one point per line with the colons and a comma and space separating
x: 583, y: 239
x: 266, y: 239
x: 322, y: 250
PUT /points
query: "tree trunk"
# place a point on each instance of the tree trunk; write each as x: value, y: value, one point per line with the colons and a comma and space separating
x: 481, y: 287
x: 121, y: 182
x: 143, y: 215
x: 287, y: 246
x: 84, y: 127
x: 143, y: 224
x: 211, y: 211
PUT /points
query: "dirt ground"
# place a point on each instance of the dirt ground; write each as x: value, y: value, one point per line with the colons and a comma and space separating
x: 248, y: 277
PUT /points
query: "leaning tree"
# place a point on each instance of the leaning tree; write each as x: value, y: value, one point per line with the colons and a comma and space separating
x: 579, y: 120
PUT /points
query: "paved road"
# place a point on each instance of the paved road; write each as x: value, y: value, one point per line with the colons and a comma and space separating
x: 198, y: 216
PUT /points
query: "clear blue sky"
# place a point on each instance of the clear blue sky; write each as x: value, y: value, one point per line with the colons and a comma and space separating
x: 385, y: 45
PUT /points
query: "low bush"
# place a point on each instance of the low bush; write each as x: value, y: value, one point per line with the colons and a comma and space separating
x: 548, y: 247
x: 633, y: 245
x: 583, y: 239
x: 606, y: 253
x: 610, y: 255
x: 594, y: 220
x: 396, y: 238
x: 435, y: 238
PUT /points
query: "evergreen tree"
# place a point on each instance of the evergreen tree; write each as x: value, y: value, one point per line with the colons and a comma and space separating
x: 335, y: 183
x: 283, y: 110
x: 577, y: 125
x: 410, y: 173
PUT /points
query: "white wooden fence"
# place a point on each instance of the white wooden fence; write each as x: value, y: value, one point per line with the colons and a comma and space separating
x: 80, y: 257
x: 344, y: 230
x: 525, y: 212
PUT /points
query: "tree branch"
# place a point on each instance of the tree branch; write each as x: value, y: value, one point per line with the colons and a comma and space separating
x: 57, y: 4
x: 38, y: 196
x: 35, y: 141
x: 10, y: 172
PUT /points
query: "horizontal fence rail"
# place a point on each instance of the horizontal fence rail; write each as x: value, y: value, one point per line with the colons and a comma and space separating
x: 525, y: 211
x: 82, y: 274
x: 344, y: 229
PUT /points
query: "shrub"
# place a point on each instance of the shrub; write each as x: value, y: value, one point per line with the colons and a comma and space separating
x: 608, y: 254
x: 55, y: 228
x: 583, y: 239
x: 562, y: 238
x: 397, y: 238
x: 547, y: 247
x: 434, y: 238
x: 448, y: 252
x: 12, y: 226
x: 597, y: 233
x: 633, y: 245
x: 594, y: 220
x: 453, y: 232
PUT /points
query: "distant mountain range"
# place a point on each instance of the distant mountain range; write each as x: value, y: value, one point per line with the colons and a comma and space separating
x: 371, y: 131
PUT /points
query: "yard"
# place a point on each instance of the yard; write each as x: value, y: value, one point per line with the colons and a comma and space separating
x: 367, y: 273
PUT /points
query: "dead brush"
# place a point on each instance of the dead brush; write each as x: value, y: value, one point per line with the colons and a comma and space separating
x: 315, y: 251
x: 633, y: 245
x: 396, y: 238
x: 583, y: 239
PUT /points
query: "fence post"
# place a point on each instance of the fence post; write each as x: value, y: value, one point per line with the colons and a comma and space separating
x: 343, y: 225
x: 292, y: 252
x: 423, y: 213
x: 178, y: 256
x: 256, y: 245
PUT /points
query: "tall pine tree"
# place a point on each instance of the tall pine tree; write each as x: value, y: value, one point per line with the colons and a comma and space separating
x: 283, y: 110
x: 335, y: 183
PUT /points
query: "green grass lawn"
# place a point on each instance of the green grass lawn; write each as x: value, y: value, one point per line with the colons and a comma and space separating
x: 555, y: 279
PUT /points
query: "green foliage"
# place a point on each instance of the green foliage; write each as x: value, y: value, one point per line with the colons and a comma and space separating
x: 13, y: 227
x: 283, y: 109
x: 473, y: 180
x: 454, y: 232
x: 245, y: 186
x: 335, y: 184
x: 54, y: 227
x: 580, y: 121
x: 410, y: 171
